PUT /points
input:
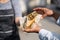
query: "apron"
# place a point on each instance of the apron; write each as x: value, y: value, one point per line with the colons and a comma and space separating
x: 8, y: 28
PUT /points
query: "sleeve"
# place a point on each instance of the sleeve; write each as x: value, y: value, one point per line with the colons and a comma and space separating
x: 17, y: 8
x: 58, y: 21
x: 45, y: 35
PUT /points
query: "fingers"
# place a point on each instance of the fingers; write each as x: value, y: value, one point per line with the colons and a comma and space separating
x: 27, y: 30
x: 39, y: 8
x: 36, y: 9
x: 44, y: 10
x: 34, y: 29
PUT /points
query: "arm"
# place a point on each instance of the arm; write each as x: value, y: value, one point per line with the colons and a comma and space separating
x: 45, y: 35
x: 17, y: 9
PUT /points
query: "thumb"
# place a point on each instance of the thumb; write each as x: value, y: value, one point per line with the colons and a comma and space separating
x: 27, y: 30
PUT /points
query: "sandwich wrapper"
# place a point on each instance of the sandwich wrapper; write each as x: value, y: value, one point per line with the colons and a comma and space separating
x: 30, y: 19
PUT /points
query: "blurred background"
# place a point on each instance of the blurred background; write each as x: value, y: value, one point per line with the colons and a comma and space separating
x: 28, y: 5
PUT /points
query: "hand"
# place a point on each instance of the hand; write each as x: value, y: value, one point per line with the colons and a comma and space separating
x: 45, y: 11
x: 17, y: 20
x: 35, y: 28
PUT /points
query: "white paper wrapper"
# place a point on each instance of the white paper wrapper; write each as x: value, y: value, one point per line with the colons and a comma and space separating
x: 38, y: 19
x: 22, y: 21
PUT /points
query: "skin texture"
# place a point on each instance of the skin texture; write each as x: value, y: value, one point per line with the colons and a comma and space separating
x: 45, y: 11
x: 35, y: 29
